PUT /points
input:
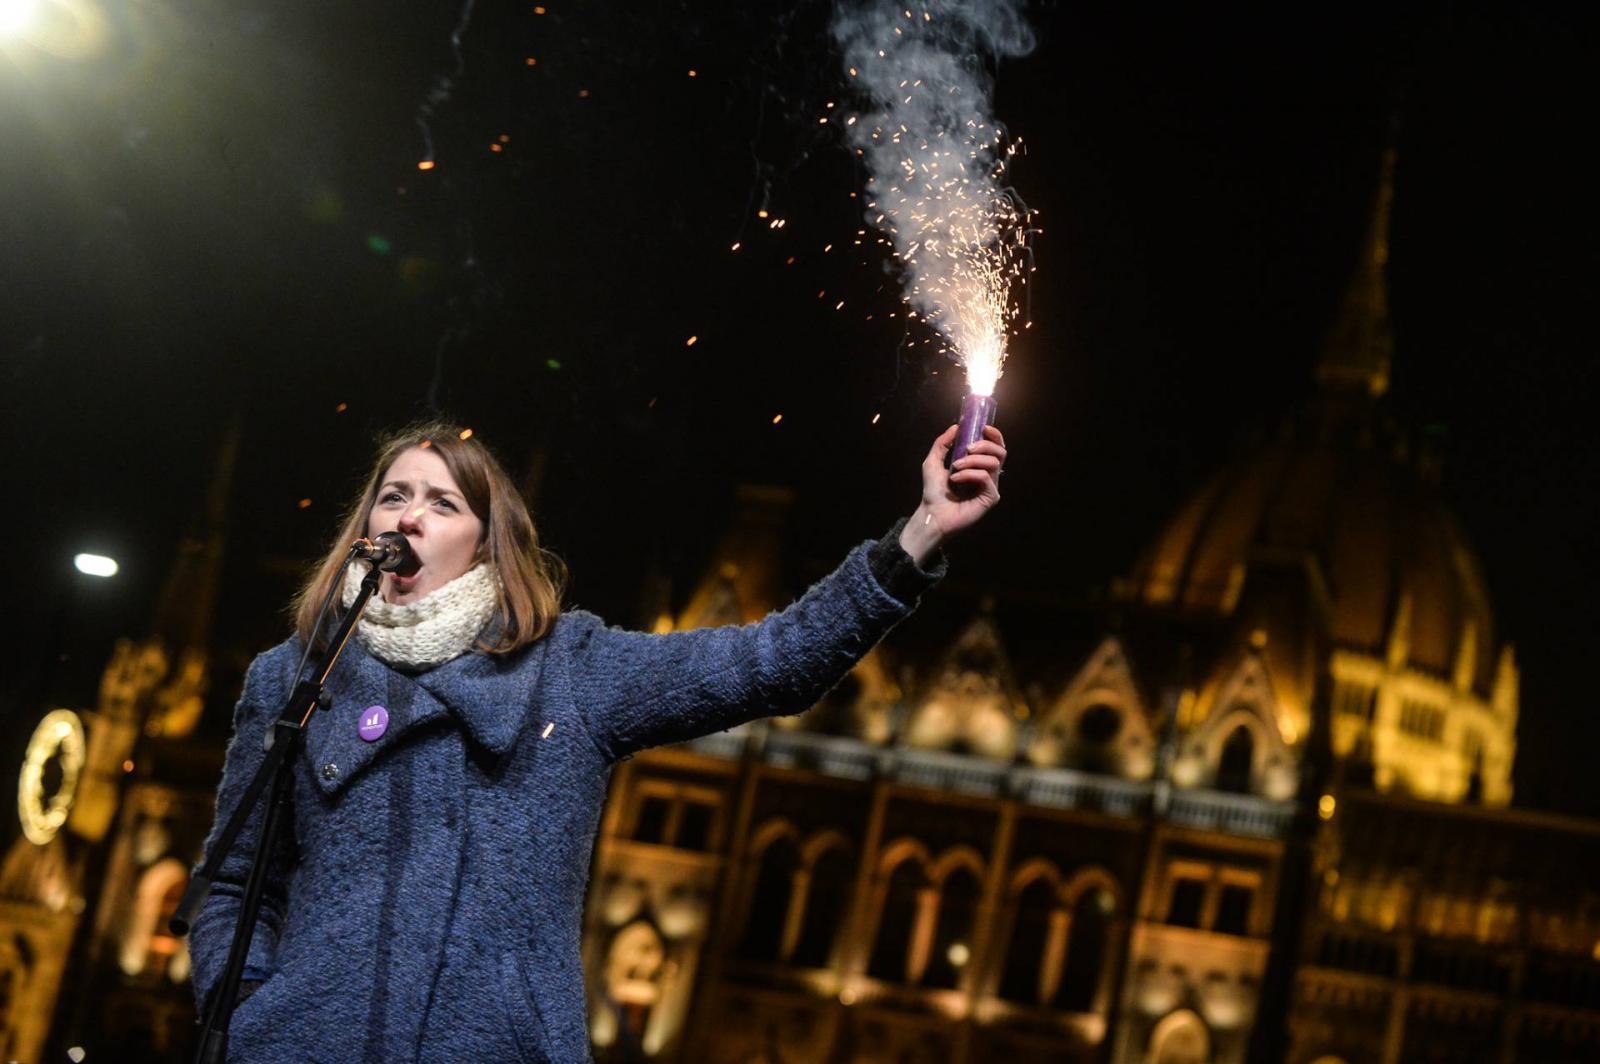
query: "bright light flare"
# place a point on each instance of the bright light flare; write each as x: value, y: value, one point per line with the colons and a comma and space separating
x: 17, y: 15
x: 983, y: 365
x: 96, y: 565
x: 65, y: 29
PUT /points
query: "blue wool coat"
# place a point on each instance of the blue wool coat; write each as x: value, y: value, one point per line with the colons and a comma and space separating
x: 427, y: 903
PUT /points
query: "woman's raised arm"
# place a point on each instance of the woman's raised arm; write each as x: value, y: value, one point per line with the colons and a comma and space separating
x: 640, y: 690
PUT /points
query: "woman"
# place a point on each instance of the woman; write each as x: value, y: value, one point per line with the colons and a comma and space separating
x: 427, y: 903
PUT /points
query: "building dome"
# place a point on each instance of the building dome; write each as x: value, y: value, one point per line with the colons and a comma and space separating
x: 1396, y: 565
x: 1336, y: 576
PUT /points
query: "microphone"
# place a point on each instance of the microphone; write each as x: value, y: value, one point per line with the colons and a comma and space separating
x: 388, y: 552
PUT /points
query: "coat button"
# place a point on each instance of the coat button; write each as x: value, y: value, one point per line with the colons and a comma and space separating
x: 330, y: 771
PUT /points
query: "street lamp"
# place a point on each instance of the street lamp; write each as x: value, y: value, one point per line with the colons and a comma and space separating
x: 94, y: 564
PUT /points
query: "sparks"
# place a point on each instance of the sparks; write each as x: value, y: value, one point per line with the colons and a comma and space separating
x: 938, y: 190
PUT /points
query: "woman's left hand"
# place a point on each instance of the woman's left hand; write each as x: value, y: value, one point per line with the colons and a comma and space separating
x: 954, y: 499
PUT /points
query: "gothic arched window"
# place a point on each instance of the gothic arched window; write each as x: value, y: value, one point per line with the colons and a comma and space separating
x: 768, y: 914
x: 952, y: 938
x: 1235, y: 766
x: 827, y: 903
x: 897, y: 922
x: 1022, y: 978
x: 1088, y: 936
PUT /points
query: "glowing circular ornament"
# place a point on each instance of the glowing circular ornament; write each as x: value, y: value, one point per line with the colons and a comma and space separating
x: 58, y: 736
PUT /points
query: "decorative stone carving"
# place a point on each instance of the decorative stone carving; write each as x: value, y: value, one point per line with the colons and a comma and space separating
x: 1098, y: 722
x: 971, y: 704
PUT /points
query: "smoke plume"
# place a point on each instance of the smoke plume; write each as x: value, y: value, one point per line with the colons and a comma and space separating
x: 937, y: 160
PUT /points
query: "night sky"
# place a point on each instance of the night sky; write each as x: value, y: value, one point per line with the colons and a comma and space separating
x: 218, y: 217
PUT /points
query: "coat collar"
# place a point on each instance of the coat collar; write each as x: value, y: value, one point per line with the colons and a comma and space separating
x: 489, y: 695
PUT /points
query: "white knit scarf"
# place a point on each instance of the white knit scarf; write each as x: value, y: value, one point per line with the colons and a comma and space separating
x: 435, y: 629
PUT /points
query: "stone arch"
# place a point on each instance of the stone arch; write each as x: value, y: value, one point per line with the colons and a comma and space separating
x: 1031, y: 870
x: 1031, y: 932
x: 903, y: 850
x: 768, y: 832
x: 902, y: 898
x: 775, y: 858
x: 1092, y: 905
x: 1181, y: 1037
x: 823, y: 889
x: 1236, y: 763
x: 1244, y: 700
x: 919, y: 902
x: 1092, y: 877
x: 944, y: 949
x: 957, y: 857
x: 146, y: 943
x: 820, y: 842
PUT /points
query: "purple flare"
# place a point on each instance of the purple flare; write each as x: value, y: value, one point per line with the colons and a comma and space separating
x: 976, y: 412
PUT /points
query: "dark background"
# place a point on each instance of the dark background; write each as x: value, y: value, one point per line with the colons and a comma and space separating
x: 219, y: 217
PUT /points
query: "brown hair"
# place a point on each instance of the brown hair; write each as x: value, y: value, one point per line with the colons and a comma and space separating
x: 531, y: 578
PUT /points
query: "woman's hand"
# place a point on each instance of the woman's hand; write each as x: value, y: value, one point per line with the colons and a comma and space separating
x: 954, y: 499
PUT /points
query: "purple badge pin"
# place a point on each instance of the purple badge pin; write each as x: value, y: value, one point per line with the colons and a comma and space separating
x: 374, y: 722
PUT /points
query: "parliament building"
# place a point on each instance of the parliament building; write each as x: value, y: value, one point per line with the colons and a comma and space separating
x: 1257, y: 808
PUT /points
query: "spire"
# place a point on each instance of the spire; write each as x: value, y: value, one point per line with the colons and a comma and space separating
x: 1360, y: 344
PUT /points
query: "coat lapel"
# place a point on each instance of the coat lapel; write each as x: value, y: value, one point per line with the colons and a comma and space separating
x: 489, y: 695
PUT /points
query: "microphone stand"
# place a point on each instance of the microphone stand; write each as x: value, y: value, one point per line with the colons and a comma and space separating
x: 274, y: 775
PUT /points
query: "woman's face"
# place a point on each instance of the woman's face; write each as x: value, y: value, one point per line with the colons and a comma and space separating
x: 418, y: 497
